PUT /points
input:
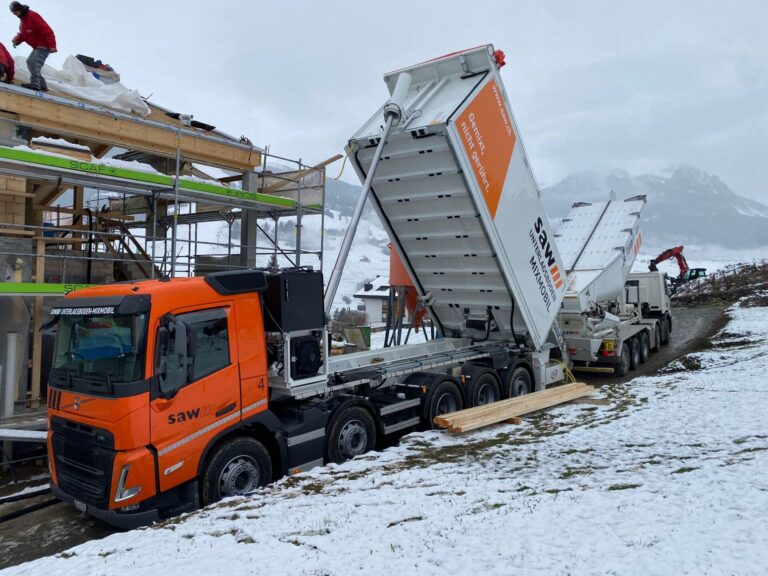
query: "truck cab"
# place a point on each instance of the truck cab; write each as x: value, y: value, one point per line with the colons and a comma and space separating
x: 144, y: 376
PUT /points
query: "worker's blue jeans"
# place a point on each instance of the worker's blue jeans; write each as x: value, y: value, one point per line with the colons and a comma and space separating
x: 35, y: 64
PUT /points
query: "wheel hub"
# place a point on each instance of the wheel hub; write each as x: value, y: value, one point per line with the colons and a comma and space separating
x: 239, y: 476
x: 486, y: 395
x: 446, y: 404
x: 353, y: 439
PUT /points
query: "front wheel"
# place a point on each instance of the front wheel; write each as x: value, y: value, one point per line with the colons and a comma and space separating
x: 351, y: 433
x: 237, y: 467
x: 665, y: 331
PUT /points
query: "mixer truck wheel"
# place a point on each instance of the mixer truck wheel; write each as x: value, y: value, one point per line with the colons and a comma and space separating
x: 351, y: 433
x: 645, y: 347
x: 238, y: 466
x: 634, y: 349
x: 664, y: 331
x: 625, y: 361
x: 519, y: 382
x: 657, y: 338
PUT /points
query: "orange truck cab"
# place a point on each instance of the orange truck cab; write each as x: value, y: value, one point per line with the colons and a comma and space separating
x: 158, y: 397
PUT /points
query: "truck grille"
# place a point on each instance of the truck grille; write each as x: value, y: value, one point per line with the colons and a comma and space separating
x: 84, y: 457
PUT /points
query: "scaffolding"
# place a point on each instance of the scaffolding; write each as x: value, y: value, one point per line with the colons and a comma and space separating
x: 89, y: 195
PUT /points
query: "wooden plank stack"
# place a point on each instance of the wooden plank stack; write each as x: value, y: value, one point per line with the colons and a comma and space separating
x: 505, y: 410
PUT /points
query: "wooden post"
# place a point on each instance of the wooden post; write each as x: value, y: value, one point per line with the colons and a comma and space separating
x: 37, y: 337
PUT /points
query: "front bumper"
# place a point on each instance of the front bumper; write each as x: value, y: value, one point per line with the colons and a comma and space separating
x: 122, y: 520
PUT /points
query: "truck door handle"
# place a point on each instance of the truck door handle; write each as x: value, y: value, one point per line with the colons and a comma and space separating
x: 226, y: 409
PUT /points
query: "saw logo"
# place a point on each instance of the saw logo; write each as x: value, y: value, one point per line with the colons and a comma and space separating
x: 192, y: 414
x: 549, y: 256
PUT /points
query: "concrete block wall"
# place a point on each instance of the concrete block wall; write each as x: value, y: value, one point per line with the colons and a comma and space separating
x: 12, y: 208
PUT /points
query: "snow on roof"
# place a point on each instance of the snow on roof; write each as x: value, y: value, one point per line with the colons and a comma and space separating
x: 378, y: 288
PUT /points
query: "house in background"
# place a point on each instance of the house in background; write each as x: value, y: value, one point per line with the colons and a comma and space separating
x: 375, y: 297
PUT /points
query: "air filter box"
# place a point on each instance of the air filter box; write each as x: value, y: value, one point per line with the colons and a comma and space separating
x: 294, y: 301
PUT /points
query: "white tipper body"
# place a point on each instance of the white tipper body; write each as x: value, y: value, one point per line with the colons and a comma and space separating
x: 599, y: 242
x: 460, y: 203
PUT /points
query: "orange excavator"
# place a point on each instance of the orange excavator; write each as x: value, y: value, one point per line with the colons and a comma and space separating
x: 686, y: 272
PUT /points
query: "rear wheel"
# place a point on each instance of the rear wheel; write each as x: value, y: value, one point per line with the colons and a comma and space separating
x: 443, y: 399
x: 657, y: 338
x: 645, y: 347
x: 520, y: 382
x: 351, y: 433
x: 237, y: 467
x: 485, y: 390
x: 625, y: 361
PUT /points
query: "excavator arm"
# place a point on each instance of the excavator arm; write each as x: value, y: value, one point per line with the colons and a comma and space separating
x: 677, y: 253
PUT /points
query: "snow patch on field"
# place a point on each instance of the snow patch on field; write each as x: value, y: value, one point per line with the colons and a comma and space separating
x: 668, y: 477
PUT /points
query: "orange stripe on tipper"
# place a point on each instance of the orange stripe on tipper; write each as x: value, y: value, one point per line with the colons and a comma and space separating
x: 556, y: 278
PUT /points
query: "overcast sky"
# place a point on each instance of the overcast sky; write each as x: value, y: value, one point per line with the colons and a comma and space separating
x: 629, y: 85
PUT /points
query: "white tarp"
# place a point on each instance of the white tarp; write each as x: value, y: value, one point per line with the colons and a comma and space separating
x: 74, y: 80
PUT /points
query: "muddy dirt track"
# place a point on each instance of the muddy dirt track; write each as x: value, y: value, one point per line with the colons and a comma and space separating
x: 59, y: 527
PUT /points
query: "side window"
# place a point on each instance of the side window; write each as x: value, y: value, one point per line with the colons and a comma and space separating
x: 209, y: 332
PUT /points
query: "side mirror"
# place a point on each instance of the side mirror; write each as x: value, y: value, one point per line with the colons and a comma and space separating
x: 172, y: 358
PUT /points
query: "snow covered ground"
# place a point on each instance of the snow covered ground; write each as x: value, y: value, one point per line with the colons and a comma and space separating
x: 668, y: 476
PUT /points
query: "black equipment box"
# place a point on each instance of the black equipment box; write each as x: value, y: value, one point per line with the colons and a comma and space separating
x: 293, y: 301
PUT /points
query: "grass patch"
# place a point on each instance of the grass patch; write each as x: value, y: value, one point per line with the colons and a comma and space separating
x: 614, y: 487
x: 405, y: 520
x: 685, y: 469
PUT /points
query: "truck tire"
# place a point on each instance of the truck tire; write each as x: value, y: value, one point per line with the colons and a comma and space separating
x: 485, y: 389
x: 625, y: 361
x: 664, y: 331
x: 238, y: 466
x: 645, y: 347
x: 657, y: 338
x: 352, y: 432
x: 519, y: 382
x: 442, y: 399
x: 634, y: 353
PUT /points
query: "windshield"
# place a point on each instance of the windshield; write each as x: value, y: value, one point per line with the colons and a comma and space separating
x: 102, y: 350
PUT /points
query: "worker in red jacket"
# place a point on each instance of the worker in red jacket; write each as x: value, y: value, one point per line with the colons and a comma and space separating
x: 7, y: 68
x: 34, y: 31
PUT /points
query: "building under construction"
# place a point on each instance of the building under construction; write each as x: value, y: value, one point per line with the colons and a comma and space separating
x: 92, y: 194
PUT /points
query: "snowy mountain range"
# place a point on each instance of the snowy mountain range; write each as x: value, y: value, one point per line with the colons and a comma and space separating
x: 685, y: 206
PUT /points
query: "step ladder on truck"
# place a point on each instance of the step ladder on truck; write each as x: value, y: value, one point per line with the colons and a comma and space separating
x: 169, y: 394
x: 611, y: 318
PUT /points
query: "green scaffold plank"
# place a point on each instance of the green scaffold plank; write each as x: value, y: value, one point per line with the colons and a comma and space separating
x: 139, y: 176
x: 41, y: 289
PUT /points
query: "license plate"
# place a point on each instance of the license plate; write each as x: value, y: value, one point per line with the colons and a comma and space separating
x: 80, y: 506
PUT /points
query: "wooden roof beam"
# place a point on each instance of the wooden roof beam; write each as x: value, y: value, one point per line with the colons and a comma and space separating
x: 51, y: 115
